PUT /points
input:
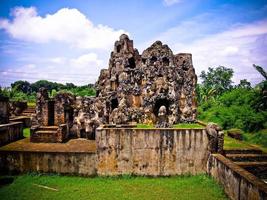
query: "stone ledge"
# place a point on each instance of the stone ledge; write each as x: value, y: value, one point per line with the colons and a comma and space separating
x: 72, y: 146
x: 10, y: 124
x: 241, y: 172
x: 149, y: 129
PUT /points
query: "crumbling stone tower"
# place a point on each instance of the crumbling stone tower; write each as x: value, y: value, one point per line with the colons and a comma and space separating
x: 156, y: 87
x: 135, y: 86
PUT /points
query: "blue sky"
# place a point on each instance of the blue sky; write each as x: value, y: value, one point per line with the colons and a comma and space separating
x: 70, y: 41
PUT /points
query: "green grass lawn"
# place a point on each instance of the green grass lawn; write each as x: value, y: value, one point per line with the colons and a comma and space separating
x: 26, y: 132
x: 145, y: 126
x: 183, y: 187
x: 185, y: 125
x: 251, y: 141
x: 230, y: 143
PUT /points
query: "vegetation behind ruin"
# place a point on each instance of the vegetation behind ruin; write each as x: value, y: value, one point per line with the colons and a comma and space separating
x: 25, y: 91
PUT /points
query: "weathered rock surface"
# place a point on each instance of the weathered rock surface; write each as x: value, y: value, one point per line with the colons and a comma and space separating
x: 135, y: 86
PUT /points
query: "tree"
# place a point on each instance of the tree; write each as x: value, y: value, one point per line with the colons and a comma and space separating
x: 48, y: 85
x: 262, y: 102
x: 244, y: 84
x: 70, y: 86
x: 261, y: 71
x: 219, y: 79
x: 22, y: 86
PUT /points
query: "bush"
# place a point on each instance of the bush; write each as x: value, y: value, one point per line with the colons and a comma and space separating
x: 235, y: 109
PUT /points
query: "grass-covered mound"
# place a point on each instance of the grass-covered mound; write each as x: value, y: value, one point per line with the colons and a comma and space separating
x: 62, y: 187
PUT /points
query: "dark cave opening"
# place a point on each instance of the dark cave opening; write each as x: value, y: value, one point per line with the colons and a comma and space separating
x: 165, y: 61
x: 114, y: 103
x: 161, y: 102
x: 153, y: 59
x: 118, y: 48
x: 131, y: 63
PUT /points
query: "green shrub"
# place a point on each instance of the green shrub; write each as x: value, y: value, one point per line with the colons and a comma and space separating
x: 234, y: 109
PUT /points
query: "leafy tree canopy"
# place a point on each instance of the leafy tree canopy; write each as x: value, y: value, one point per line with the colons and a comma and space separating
x: 219, y: 79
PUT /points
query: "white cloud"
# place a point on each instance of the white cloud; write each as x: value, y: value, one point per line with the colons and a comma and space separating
x: 86, y: 60
x: 57, y: 60
x: 66, y: 25
x: 171, y: 2
x: 238, y: 47
x: 79, y: 70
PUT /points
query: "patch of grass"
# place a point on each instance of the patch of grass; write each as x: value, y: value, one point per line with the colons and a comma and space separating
x: 26, y: 132
x: 185, y: 125
x: 258, y: 139
x: 230, y: 143
x: 179, y: 187
x: 31, y: 104
x: 145, y: 126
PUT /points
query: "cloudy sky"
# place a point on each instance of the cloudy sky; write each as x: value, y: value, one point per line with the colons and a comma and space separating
x: 70, y: 41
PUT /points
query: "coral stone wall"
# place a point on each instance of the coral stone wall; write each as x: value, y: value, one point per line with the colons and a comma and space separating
x: 10, y: 132
x: 236, y: 181
x: 152, y: 152
x: 78, y: 163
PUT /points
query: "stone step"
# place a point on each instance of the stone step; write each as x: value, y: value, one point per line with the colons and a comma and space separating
x: 47, y: 128
x: 243, y: 151
x: 251, y: 164
x: 247, y: 157
x: 45, y: 132
x: 30, y: 108
x: 28, y: 111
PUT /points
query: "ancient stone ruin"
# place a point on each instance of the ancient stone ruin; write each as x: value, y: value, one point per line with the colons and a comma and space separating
x: 156, y: 87
x: 135, y: 86
x: 9, y: 131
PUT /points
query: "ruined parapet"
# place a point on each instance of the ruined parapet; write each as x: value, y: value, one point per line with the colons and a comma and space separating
x: 89, y: 113
x: 64, y: 108
x: 4, y: 110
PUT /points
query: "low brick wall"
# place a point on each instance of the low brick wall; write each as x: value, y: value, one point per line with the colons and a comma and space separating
x: 238, y: 183
x: 153, y: 152
x: 76, y: 163
x: 10, y: 132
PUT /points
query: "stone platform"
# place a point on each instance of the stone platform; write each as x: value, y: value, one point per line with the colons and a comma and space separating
x: 76, y: 157
x: 72, y: 146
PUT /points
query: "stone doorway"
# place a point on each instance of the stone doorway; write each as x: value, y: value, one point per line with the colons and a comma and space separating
x: 51, y: 113
x: 68, y: 116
